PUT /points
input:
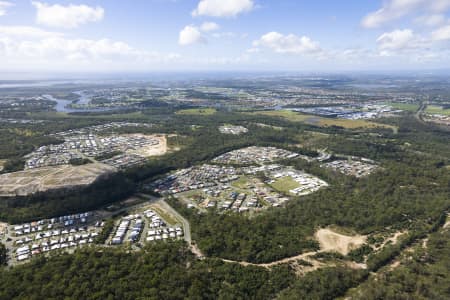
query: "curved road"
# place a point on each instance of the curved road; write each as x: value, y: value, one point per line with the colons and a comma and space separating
x: 418, y: 114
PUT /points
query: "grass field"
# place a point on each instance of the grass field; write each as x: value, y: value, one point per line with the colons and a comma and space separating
x: 404, y: 106
x: 197, y: 111
x: 241, y: 183
x: 285, y: 184
x: 319, y: 121
x: 437, y: 110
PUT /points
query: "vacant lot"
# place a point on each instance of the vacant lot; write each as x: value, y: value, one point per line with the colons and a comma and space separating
x: 336, y: 242
x: 151, y: 150
x: 43, y: 179
x: 197, y: 111
x: 319, y: 121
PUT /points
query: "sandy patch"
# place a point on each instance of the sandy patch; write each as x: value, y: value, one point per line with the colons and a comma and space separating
x: 343, y: 244
x: 447, y: 223
x: 394, y: 265
x: 392, y: 239
x: 3, y: 227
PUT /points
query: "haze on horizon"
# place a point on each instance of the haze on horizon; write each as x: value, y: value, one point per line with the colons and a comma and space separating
x: 216, y: 35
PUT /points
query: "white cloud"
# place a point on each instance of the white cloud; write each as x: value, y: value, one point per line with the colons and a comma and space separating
x: 441, y: 34
x: 221, y: 60
x: 229, y: 35
x: 27, y: 32
x: 396, y: 40
x: 290, y: 43
x: 395, y: 9
x: 209, y: 26
x: 190, y: 35
x: 70, y: 16
x: 223, y: 8
x: 431, y: 20
x: 32, y: 48
x: 438, y: 5
x: 253, y: 50
x: 4, y: 5
x: 391, y: 10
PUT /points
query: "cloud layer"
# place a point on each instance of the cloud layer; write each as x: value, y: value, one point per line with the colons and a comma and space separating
x: 70, y: 16
x: 4, y: 5
x: 395, y: 9
x: 34, y: 47
x: 290, y: 43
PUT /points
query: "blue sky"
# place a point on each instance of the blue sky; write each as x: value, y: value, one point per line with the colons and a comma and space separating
x: 250, y: 35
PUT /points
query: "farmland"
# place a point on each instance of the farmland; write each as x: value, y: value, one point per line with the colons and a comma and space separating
x: 320, y: 121
x: 411, y: 107
x: 437, y: 110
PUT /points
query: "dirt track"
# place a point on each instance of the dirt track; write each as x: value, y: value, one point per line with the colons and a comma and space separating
x: 329, y: 241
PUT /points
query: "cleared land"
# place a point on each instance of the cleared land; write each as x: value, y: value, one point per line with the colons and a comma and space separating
x: 447, y: 222
x: 43, y: 179
x: 197, y: 111
x: 151, y: 150
x: 437, y: 110
x: 336, y: 242
x: 320, y: 121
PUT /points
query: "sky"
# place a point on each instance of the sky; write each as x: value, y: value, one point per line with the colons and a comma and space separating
x: 224, y: 35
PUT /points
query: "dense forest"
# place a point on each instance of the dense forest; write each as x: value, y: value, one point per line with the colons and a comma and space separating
x: 159, y: 271
x: 169, y: 271
x: 423, y: 273
x: 3, y: 254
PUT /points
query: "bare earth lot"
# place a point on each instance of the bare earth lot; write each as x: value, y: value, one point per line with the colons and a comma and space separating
x: 154, y: 150
x: 343, y: 244
x: 42, y: 179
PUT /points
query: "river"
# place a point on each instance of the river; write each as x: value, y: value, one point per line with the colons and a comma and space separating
x: 63, y: 105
